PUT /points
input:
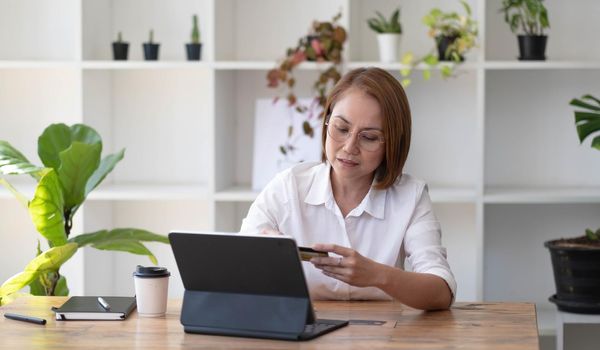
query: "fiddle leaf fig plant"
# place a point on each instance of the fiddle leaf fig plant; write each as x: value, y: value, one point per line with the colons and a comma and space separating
x: 587, y: 122
x: 72, y: 168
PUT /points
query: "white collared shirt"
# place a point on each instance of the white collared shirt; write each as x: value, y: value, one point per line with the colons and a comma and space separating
x: 387, y: 226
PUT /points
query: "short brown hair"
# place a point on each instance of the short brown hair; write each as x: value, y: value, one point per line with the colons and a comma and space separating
x: 390, y: 95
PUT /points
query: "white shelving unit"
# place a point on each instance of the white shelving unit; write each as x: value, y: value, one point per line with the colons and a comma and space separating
x: 496, y: 144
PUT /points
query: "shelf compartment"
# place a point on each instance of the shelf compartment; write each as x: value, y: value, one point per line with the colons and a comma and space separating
x: 110, y: 272
x: 162, y: 119
x: 531, y: 139
x: 363, y: 40
x: 172, y: 26
x: 50, y: 31
x: 255, y: 30
x: 30, y: 101
x: 571, y: 30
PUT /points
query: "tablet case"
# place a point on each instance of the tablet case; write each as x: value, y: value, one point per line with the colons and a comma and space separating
x: 244, y: 286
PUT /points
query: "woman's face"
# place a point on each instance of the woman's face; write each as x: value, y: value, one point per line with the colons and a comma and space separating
x: 356, y: 117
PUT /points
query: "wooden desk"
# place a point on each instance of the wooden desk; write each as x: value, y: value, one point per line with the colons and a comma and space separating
x: 466, y: 326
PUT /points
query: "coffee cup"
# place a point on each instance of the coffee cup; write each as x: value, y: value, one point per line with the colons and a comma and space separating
x: 151, y: 290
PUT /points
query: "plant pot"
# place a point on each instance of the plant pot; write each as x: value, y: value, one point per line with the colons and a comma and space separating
x: 576, y: 276
x: 532, y: 47
x: 442, y: 45
x: 151, y: 51
x: 194, y: 51
x: 120, y: 50
x: 389, y: 46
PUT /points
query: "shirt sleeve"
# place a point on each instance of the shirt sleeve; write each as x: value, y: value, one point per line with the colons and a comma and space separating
x: 265, y: 210
x: 423, y: 242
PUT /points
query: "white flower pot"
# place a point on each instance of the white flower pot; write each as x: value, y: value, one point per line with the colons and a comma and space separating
x: 389, y: 47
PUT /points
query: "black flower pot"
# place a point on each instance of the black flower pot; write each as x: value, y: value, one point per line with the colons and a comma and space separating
x: 576, y: 276
x: 194, y: 51
x: 532, y: 47
x: 151, y: 51
x: 120, y: 50
x: 442, y: 45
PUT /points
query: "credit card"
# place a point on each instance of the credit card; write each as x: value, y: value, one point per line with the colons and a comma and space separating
x: 307, y: 253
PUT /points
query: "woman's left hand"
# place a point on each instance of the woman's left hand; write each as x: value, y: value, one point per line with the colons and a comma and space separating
x: 351, y: 268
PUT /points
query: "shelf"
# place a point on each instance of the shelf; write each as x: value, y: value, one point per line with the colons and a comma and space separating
x: 109, y: 192
x: 244, y: 193
x: 266, y: 65
x: 149, y: 192
x: 541, y: 195
x: 241, y: 193
x: 39, y: 64
x: 398, y: 66
x: 441, y: 194
x: 145, y: 65
x: 536, y: 65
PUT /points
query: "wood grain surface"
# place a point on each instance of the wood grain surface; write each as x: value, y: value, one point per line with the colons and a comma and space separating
x: 465, y: 326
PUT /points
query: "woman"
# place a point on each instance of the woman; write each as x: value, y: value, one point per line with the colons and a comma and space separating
x: 358, y: 206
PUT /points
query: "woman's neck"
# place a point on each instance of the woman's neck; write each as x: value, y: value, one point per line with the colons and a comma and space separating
x: 348, y: 193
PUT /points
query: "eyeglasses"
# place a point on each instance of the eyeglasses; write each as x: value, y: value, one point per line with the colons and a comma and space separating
x: 368, y: 140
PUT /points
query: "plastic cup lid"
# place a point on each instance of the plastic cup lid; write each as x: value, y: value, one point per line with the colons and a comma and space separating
x: 151, y: 272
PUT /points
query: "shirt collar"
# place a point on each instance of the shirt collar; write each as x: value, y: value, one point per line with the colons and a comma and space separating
x: 321, y: 193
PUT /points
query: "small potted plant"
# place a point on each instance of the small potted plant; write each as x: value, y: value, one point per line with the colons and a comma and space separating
x: 388, y: 35
x: 529, y: 17
x: 454, y: 34
x: 151, y: 48
x: 576, y: 261
x: 194, y: 49
x: 120, y: 48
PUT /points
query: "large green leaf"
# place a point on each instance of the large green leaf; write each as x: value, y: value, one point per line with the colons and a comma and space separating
x: 121, y: 239
x: 587, y: 122
x: 50, y: 260
x: 106, y: 166
x: 12, y: 162
x: 46, y: 209
x: 78, y: 163
x: 58, y: 137
x: 61, y: 288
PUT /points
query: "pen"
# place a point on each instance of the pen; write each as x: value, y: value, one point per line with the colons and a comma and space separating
x: 25, y: 318
x: 103, y: 303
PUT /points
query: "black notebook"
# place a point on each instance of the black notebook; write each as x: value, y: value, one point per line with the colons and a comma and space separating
x: 88, y: 308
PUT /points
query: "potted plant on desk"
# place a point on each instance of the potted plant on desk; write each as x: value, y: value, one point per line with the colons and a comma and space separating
x: 72, y: 169
x: 531, y: 18
x: 576, y: 261
x: 388, y: 35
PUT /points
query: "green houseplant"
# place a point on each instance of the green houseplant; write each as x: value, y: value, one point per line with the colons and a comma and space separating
x: 194, y: 48
x: 455, y: 35
x: 530, y: 18
x: 388, y: 35
x: 324, y: 43
x: 73, y: 167
x: 575, y: 261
